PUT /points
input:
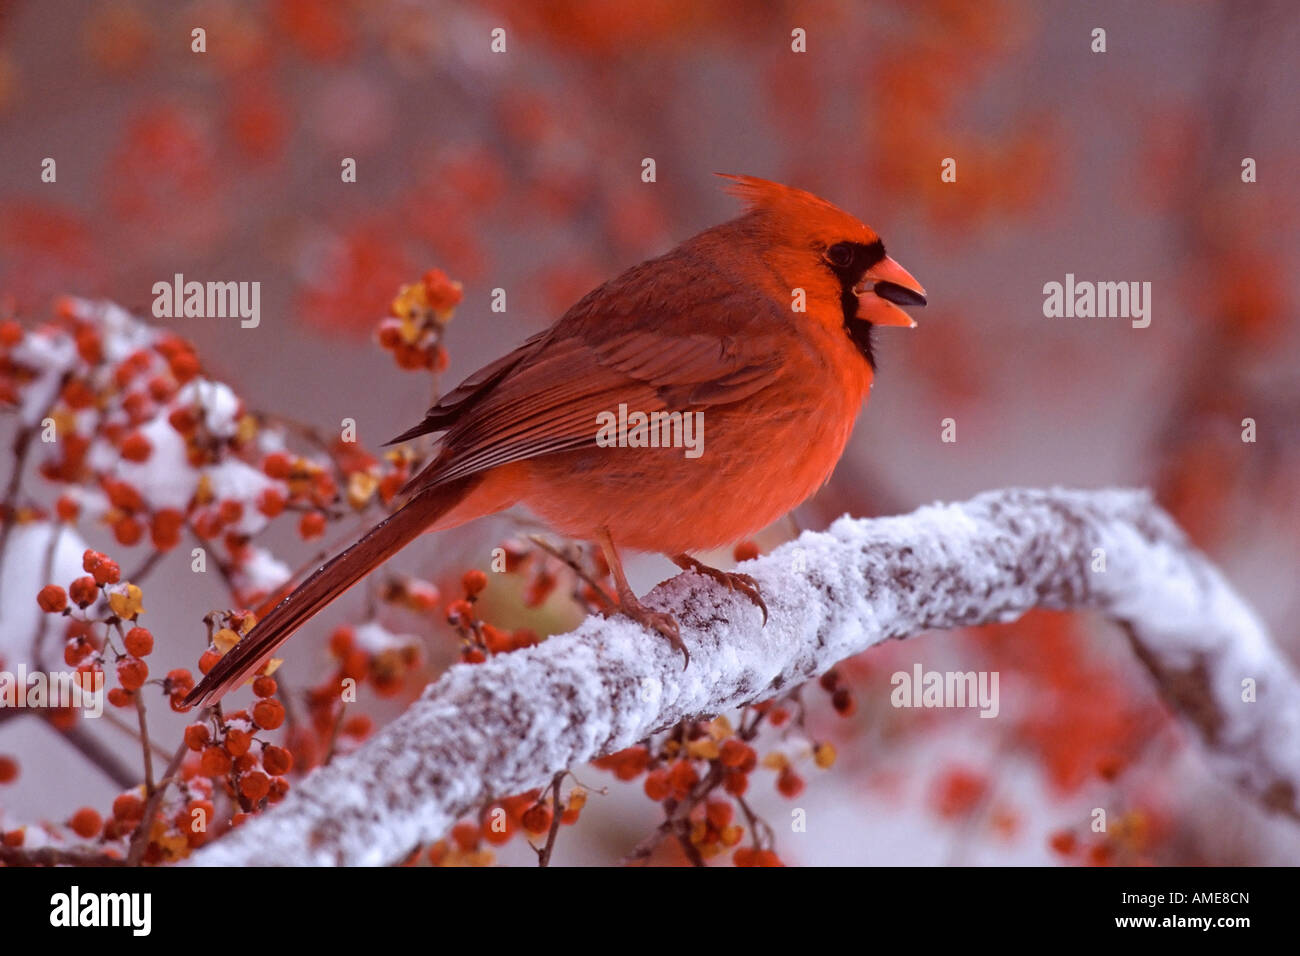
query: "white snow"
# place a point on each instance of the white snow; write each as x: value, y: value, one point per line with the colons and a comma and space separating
x: 22, y: 575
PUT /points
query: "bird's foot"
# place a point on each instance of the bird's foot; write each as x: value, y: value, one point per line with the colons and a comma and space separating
x: 733, y: 580
x: 658, y: 621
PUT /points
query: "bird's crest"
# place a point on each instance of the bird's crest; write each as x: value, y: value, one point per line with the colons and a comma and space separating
x: 789, y: 205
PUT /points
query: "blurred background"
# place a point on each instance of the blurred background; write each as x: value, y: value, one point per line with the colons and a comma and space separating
x: 522, y: 171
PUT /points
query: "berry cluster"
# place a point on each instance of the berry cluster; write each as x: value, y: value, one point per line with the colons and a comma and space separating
x: 417, y: 317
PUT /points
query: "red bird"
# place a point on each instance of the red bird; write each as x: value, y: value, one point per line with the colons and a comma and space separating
x: 760, y: 329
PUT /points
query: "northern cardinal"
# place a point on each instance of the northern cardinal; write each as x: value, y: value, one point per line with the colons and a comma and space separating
x: 762, y: 324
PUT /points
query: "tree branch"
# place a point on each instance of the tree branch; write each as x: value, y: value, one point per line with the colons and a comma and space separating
x: 510, y: 724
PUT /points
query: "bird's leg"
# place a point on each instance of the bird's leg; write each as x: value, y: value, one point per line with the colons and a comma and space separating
x: 629, y: 605
x: 734, y: 580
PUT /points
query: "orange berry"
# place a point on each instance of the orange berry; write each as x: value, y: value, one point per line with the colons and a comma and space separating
x: 208, y: 660
x: 474, y: 582
x: 264, y: 686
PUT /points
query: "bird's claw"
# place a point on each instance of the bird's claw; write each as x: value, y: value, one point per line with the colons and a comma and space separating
x: 732, y: 580
x: 662, y: 623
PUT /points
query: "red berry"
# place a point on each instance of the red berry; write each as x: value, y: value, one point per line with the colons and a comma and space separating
x: 466, y: 835
x: 270, y: 503
x: 277, y: 761
x: 165, y: 529
x: 83, y: 591
x: 789, y: 783
x: 132, y: 673
x: 139, y: 642
x: 683, y: 776
x: 128, y: 531
x: 277, y: 465
x: 67, y: 509
x: 208, y: 660
x: 238, y: 741
x: 197, y: 736
x: 474, y: 582
x: 255, y: 785
x: 119, y: 697
x: 735, y: 782
x: 135, y: 447
x: 86, y: 823
x: 52, y: 599
x: 76, y: 651
x: 1063, y: 842
x: 264, y: 686
x: 268, y: 714
x: 537, y: 818
x: 459, y: 612
x: 215, y: 762
x: 311, y: 525
x: 128, y: 807
x: 657, y: 786
x: 744, y: 856
x: 8, y: 769
x: 843, y: 702
x: 718, y: 813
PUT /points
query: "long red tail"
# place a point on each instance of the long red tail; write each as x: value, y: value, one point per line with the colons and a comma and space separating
x: 328, y: 582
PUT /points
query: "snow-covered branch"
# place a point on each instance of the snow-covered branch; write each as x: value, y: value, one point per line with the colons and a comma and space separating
x: 509, y: 724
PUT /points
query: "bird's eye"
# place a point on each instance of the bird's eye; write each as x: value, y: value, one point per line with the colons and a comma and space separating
x: 840, y: 255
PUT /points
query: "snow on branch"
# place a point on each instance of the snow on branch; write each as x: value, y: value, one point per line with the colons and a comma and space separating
x: 508, y: 725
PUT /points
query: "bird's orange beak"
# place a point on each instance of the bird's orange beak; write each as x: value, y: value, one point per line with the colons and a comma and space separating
x: 885, y: 287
